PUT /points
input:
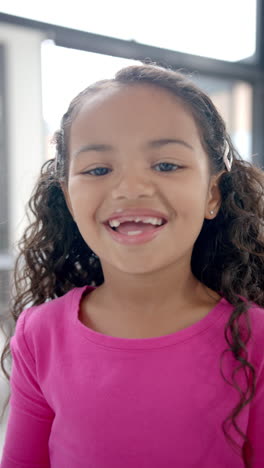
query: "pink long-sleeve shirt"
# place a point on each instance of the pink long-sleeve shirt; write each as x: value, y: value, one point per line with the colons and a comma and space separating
x: 81, y: 399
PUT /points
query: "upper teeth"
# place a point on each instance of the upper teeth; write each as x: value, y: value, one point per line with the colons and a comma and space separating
x: 155, y: 221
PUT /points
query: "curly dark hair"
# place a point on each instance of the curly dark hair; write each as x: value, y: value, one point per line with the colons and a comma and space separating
x: 228, y: 255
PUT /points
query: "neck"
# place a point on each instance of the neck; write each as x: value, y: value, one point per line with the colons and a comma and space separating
x: 145, y: 295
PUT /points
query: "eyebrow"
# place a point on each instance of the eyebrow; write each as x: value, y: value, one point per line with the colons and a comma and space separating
x: 150, y: 144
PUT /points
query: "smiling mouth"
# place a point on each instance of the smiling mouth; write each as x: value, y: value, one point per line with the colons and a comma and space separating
x: 136, y: 227
x: 134, y: 232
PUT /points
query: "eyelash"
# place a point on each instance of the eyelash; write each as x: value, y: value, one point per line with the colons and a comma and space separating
x: 92, y: 171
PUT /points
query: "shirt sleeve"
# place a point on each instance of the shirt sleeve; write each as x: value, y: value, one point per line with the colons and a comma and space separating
x: 255, y: 430
x: 30, y: 417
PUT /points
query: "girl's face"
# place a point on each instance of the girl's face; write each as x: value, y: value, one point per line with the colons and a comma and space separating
x: 135, y: 152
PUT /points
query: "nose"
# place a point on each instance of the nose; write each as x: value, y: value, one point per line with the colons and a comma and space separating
x: 132, y: 184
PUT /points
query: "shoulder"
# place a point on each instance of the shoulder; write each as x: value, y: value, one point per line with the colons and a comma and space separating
x: 43, y: 321
x: 256, y: 314
x: 256, y: 342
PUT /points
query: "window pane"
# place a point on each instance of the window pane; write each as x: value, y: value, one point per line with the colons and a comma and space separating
x: 61, y: 82
x: 66, y: 72
x: 4, y: 291
x: 233, y: 100
x: 224, y: 30
x: 3, y: 160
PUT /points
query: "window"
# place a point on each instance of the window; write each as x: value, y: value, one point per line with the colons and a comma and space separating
x: 5, y: 259
x: 65, y: 72
x: 223, y: 30
x: 233, y: 99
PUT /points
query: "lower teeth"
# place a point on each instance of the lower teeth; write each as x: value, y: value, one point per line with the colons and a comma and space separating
x: 133, y: 233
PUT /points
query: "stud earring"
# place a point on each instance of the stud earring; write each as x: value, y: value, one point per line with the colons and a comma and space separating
x: 212, y: 212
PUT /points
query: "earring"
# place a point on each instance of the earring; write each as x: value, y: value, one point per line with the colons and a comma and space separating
x: 212, y: 212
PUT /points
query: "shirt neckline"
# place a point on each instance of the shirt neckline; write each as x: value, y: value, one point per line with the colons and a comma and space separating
x: 179, y: 336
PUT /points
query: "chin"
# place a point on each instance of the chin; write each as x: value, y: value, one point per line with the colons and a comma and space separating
x: 140, y: 266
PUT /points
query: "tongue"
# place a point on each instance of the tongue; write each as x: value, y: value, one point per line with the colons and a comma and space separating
x: 129, y: 226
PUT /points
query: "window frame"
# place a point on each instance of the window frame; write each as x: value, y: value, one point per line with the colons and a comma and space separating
x: 245, y: 70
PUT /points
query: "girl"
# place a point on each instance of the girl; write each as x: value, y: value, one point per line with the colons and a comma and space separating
x: 143, y: 266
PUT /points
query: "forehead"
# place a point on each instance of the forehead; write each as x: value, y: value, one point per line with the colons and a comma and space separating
x: 135, y: 111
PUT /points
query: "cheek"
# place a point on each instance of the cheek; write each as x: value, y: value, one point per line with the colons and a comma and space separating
x: 189, y: 196
x: 85, y: 201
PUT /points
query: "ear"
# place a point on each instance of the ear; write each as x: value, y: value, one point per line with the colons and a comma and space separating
x: 213, y: 202
x: 65, y: 191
